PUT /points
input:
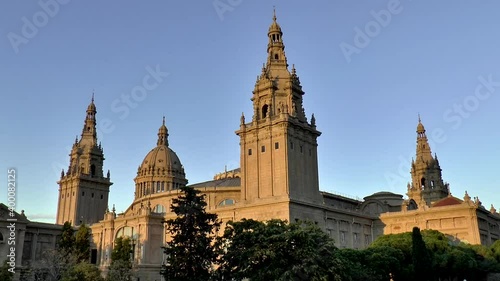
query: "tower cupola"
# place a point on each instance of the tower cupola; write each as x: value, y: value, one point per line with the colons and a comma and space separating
x: 163, y: 134
x: 427, y: 183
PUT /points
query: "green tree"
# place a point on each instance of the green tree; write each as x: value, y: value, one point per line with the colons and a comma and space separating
x: 4, y: 272
x: 276, y: 250
x: 67, y: 240
x: 121, y: 250
x: 191, y: 252
x: 495, y: 249
x: 422, y: 263
x: 82, y: 243
x: 82, y: 271
x: 120, y: 268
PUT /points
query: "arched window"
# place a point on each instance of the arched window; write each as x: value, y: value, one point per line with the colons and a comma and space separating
x: 125, y: 231
x: 159, y: 209
x: 422, y: 183
x: 1, y: 237
x: 276, y: 56
x: 226, y: 202
x: 92, y: 170
x: 264, y: 111
x: 128, y: 232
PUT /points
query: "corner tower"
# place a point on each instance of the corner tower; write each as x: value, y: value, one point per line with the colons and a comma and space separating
x: 427, y: 183
x: 83, y: 188
x: 278, y: 148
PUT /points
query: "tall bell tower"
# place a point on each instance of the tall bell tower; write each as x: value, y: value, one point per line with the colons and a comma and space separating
x: 278, y: 147
x: 427, y: 182
x: 83, y: 188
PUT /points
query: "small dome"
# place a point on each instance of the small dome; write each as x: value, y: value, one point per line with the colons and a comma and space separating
x: 420, y: 128
x: 91, y: 106
x: 275, y: 27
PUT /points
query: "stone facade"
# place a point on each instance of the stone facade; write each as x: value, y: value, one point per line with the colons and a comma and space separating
x: 277, y: 179
x: 32, y: 239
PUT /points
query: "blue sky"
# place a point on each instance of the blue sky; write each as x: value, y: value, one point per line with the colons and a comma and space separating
x: 367, y: 67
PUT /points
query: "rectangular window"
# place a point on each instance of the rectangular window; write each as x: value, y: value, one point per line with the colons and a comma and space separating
x: 92, y: 195
x: 249, y: 151
x: 263, y: 149
x: 101, y: 196
x: 291, y: 145
x: 310, y: 152
x: 300, y: 148
x: 276, y: 145
x: 83, y: 193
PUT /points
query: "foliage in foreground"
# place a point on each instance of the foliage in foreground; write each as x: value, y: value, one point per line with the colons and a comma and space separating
x: 4, y: 272
x: 120, y: 268
x: 69, y: 261
x: 191, y: 253
x: 446, y: 260
x: 277, y: 250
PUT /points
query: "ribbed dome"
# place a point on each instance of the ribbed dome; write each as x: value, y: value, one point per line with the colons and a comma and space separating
x: 159, y: 159
x: 161, y: 170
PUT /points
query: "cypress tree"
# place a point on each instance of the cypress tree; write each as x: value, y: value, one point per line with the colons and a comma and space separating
x: 191, y: 253
x: 422, y: 263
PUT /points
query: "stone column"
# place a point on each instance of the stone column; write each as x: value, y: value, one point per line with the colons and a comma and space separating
x: 19, y: 246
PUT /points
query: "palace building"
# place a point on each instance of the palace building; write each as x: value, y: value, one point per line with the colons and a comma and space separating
x: 277, y: 179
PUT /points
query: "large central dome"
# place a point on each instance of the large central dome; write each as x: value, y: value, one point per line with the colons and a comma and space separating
x: 161, y: 170
x: 161, y: 158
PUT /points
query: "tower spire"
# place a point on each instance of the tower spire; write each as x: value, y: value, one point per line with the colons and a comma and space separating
x: 423, y: 148
x: 162, y: 134
x: 84, y: 176
x: 275, y: 47
x: 89, y: 132
x: 427, y: 182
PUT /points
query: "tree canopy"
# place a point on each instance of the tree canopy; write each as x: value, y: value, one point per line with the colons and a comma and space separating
x: 277, y: 250
x: 191, y: 253
x: 120, y: 268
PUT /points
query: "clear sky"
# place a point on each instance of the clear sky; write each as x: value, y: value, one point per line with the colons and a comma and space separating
x: 368, y: 69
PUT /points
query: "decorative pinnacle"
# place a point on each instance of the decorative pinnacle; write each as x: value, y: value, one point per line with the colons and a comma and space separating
x: 274, y: 13
x: 419, y: 121
x: 164, y: 120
